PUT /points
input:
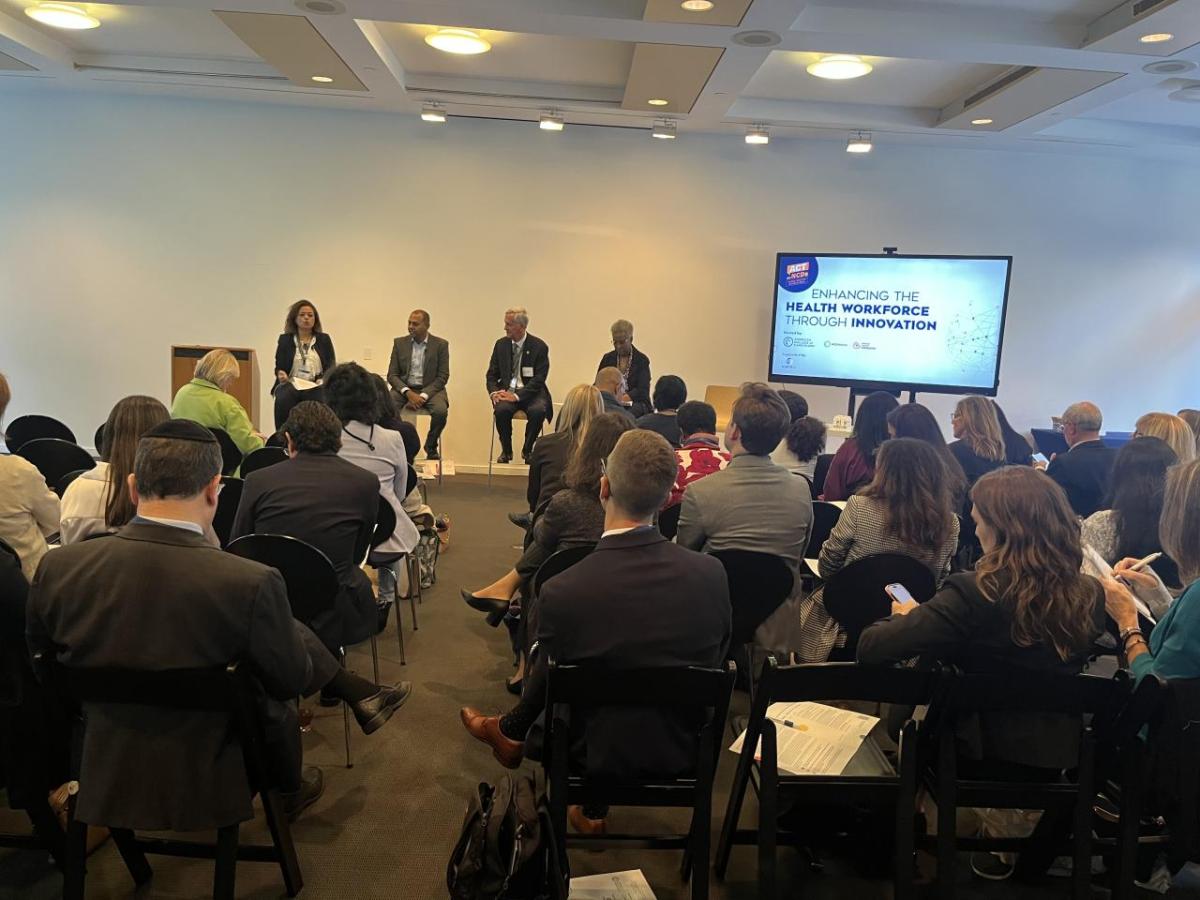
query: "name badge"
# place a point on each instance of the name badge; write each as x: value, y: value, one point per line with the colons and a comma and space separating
x: 526, y: 371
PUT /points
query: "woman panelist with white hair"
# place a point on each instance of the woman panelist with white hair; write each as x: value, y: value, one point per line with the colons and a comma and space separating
x: 634, y: 366
x: 204, y: 400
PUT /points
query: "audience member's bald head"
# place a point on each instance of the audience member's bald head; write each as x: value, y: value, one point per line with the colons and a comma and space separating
x: 609, y: 379
x: 641, y: 471
x: 1081, y: 422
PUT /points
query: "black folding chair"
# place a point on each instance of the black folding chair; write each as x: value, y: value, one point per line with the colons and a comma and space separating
x: 261, y: 459
x: 825, y: 517
x: 574, y: 690
x: 231, y: 456
x: 98, y: 442
x: 65, y: 481
x: 54, y: 458
x: 895, y: 791
x: 855, y: 597
x: 668, y: 521
x: 311, y: 581
x: 24, y: 429
x: 227, y: 507
x: 758, y: 584
x: 228, y: 689
x: 1085, y: 699
x: 557, y: 563
x: 7, y: 550
x: 820, y: 471
x: 385, y: 527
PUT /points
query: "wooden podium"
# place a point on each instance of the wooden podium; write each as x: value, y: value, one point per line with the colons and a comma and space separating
x: 245, y: 389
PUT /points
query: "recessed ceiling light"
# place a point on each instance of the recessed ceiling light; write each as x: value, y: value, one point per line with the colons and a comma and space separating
x: 697, y: 5
x: 551, y: 122
x: 758, y: 134
x: 322, y: 79
x: 1189, y: 94
x: 1169, y: 67
x: 658, y: 101
x: 981, y: 121
x: 664, y: 130
x: 457, y: 40
x: 860, y: 142
x: 62, y: 15
x: 433, y: 112
x: 839, y: 67
x: 1157, y: 38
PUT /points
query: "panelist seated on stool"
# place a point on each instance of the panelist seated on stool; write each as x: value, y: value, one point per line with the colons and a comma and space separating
x: 418, y: 373
x: 516, y: 381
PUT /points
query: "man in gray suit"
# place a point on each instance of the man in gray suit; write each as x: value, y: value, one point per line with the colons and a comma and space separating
x: 418, y: 372
x: 752, y: 504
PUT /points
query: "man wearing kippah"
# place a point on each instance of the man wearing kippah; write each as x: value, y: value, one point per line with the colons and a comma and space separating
x: 156, y: 596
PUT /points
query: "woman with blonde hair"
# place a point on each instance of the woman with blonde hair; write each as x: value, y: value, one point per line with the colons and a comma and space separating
x: 205, y: 400
x: 979, y: 444
x: 552, y: 451
x: 1172, y: 429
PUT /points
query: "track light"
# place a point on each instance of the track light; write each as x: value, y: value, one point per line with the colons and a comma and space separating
x: 433, y: 112
x: 860, y: 142
x: 757, y: 134
x: 551, y: 121
x: 664, y: 130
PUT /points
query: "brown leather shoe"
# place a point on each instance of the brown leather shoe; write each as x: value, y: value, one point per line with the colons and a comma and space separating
x: 508, y: 752
x: 582, y: 824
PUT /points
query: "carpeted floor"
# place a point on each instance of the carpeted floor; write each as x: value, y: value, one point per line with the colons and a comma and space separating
x: 384, y: 828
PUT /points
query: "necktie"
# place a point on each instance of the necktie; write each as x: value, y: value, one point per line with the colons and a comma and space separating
x: 516, y: 359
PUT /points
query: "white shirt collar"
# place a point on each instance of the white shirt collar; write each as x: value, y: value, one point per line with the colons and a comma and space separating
x: 173, y: 523
x: 615, y: 531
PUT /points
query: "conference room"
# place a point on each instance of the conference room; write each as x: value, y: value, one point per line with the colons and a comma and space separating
x: 859, y: 332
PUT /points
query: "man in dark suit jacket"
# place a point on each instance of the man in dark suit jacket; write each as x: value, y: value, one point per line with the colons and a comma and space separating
x: 638, y: 601
x: 418, y: 373
x: 156, y: 596
x: 516, y: 380
x: 608, y: 382
x: 1084, y: 470
x: 624, y: 357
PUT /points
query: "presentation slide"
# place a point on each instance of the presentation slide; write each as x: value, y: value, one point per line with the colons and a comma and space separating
x: 923, y: 322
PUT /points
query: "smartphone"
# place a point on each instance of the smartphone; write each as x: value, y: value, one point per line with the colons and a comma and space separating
x: 899, y: 593
x: 1041, y: 458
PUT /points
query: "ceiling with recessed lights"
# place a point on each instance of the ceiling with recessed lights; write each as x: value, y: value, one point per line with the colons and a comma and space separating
x: 987, y: 73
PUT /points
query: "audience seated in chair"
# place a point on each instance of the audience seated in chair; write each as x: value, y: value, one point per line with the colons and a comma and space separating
x: 912, y: 420
x: 204, y: 399
x: 979, y: 444
x: 608, y: 382
x: 700, y: 453
x: 803, y: 462
x: 853, y: 465
x: 906, y: 509
x: 1017, y: 451
x: 1173, y: 430
x: 29, y: 510
x: 669, y: 394
x: 672, y: 609
x: 157, y: 595
x: 1083, y: 471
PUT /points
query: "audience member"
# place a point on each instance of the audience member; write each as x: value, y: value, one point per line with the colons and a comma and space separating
x: 806, y: 438
x: 29, y: 510
x: 204, y: 400
x: 608, y: 382
x: 1173, y: 649
x: 1128, y: 525
x: 1084, y: 469
x: 158, y: 596
x: 796, y: 404
x: 1172, y: 429
x: 979, y: 444
x: 752, y: 504
x: 389, y: 417
x: 98, y: 500
x: 1192, y: 417
x: 634, y: 366
x: 701, y: 453
x: 669, y: 394
x: 304, y: 351
x: 853, y: 466
x: 907, y: 508
x: 328, y: 502
x: 552, y: 451
x: 1017, y: 451
x: 672, y: 610
x: 912, y: 420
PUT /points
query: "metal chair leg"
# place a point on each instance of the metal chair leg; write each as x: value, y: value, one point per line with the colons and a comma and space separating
x: 226, y: 868
x: 399, y: 624
x: 492, y: 448
x: 346, y: 715
x: 375, y: 658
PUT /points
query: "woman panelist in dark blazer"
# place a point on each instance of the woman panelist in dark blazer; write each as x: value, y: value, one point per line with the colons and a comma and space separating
x: 634, y: 366
x: 304, y: 351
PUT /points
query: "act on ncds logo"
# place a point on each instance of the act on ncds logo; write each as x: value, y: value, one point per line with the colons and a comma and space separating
x: 797, y: 273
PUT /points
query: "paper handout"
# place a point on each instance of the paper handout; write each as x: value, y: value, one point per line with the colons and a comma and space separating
x: 631, y: 885
x: 815, y: 739
x: 303, y: 384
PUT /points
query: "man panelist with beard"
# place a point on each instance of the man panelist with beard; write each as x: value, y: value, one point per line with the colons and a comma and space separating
x: 516, y: 380
x: 418, y: 372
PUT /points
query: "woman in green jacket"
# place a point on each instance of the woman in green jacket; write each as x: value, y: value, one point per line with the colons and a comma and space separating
x: 203, y: 400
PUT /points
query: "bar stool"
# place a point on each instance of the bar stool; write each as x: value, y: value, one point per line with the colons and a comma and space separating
x: 518, y: 415
x: 405, y: 412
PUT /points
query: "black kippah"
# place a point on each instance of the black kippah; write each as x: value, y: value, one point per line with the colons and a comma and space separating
x: 181, y: 430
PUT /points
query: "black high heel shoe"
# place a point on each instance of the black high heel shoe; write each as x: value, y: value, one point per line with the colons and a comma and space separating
x: 514, y: 687
x: 485, y: 604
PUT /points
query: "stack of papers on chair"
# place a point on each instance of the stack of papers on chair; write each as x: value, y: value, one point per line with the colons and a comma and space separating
x: 815, y: 739
x: 631, y: 885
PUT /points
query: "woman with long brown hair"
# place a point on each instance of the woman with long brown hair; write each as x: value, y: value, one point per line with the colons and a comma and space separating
x: 304, y: 351
x: 979, y: 442
x: 907, y: 508
x: 98, y: 500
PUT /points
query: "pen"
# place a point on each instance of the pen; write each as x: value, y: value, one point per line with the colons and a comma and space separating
x: 1142, y: 563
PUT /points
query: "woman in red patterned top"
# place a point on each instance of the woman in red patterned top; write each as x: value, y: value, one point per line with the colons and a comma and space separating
x: 700, y: 453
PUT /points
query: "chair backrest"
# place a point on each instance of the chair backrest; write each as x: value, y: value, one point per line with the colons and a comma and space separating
x: 231, y: 456
x: 385, y: 527
x: 1049, y: 441
x: 277, y: 440
x: 227, y: 506
x: 819, y: 473
x: 721, y: 398
x: 758, y: 584
x: 668, y: 521
x: 261, y: 459
x: 7, y: 550
x: 558, y: 562
x: 312, y: 584
x: 843, y: 681
x: 1174, y: 769
x: 1034, y: 692
x: 23, y: 429
x: 855, y: 596
x: 825, y: 517
x: 65, y: 481
x: 411, y: 480
x: 98, y: 441
x: 54, y: 458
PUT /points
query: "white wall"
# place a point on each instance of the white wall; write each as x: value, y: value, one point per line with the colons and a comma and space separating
x: 129, y: 224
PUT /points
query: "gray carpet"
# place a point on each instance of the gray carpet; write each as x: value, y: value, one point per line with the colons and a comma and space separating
x: 384, y: 828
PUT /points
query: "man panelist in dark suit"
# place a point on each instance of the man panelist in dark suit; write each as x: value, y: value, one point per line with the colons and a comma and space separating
x: 516, y: 380
x: 157, y: 596
x: 418, y: 373
x: 1084, y: 470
